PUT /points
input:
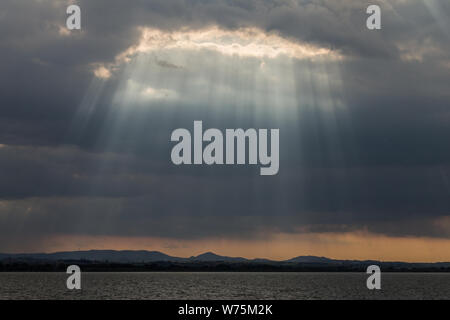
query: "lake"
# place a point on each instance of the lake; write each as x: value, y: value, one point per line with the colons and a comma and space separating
x: 223, y: 285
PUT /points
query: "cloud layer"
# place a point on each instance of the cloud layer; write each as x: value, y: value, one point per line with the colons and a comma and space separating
x: 86, y: 118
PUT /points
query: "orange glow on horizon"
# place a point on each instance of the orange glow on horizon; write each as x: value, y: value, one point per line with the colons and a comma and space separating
x: 355, y: 245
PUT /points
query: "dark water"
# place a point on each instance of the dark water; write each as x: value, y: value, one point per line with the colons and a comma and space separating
x: 213, y: 285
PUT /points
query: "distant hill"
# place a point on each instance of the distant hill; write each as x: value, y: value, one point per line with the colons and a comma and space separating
x: 124, y: 256
x: 210, y: 256
x: 311, y: 259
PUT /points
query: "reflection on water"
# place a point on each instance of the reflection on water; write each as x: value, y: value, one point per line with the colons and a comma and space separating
x: 224, y: 285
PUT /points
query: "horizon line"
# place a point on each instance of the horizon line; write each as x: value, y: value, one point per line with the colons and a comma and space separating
x: 226, y: 256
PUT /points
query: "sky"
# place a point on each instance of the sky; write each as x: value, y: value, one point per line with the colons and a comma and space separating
x: 86, y: 118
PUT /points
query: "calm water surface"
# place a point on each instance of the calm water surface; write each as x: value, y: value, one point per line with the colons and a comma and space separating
x: 223, y: 285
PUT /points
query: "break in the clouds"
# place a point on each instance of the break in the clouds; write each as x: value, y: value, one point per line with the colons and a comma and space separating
x: 86, y: 117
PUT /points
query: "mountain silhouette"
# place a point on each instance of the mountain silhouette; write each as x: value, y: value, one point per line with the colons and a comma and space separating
x: 211, y: 256
x: 123, y: 256
x: 311, y: 259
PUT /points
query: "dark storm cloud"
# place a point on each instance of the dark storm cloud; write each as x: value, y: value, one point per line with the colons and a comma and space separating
x: 380, y: 164
x: 65, y: 192
x: 54, y: 70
